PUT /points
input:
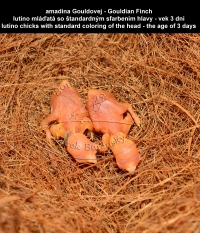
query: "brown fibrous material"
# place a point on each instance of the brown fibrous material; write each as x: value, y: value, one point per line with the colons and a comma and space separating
x: 43, y: 188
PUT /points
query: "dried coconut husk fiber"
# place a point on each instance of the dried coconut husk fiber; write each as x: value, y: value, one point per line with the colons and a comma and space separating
x: 43, y: 189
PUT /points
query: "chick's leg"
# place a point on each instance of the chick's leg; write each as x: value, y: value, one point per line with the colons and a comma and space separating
x: 129, y: 108
x: 127, y: 122
x: 58, y: 131
x: 105, y: 141
x: 86, y: 124
x: 45, y: 126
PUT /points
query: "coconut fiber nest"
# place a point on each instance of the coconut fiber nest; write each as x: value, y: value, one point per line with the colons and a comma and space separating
x: 43, y: 189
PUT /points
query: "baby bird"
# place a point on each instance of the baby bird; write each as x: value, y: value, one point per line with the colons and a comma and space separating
x: 72, y: 120
x: 108, y: 118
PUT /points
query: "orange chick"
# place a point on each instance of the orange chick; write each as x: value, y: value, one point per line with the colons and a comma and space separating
x: 71, y: 117
x: 114, y: 120
x: 82, y: 149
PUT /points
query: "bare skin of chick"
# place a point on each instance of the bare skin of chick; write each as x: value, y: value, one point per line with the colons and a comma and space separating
x: 71, y: 117
x: 108, y: 118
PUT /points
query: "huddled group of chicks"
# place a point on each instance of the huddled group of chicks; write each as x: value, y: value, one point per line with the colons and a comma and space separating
x: 103, y: 114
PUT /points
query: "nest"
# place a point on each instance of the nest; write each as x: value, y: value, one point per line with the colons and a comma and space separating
x: 43, y: 189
